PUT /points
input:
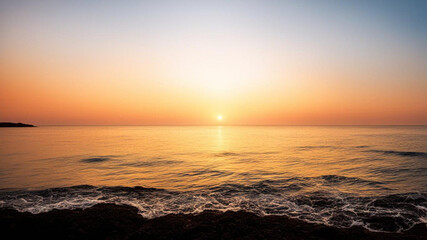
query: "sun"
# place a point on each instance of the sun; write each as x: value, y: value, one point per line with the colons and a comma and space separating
x: 219, y: 117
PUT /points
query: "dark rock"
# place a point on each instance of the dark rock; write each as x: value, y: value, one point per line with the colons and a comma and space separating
x: 109, y: 221
x: 9, y: 124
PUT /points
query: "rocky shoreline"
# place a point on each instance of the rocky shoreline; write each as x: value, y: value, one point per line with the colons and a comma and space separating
x: 110, y: 221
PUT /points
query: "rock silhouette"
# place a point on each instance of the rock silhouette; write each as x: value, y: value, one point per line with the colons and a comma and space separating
x: 10, y: 124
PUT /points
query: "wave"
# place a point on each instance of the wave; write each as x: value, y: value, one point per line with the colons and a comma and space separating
x: 95, y: 159
x: 294, y: 197
x: 235, y: 154
x: 313, y: 147
x: 400, y: 153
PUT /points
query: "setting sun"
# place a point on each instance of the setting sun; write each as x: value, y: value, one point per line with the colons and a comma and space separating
x: 219, y: 117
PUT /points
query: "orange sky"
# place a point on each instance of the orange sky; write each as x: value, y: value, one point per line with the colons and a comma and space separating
x: 64, y: 65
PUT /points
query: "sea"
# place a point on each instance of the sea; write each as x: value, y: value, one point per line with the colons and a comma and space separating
x: 342, y: 176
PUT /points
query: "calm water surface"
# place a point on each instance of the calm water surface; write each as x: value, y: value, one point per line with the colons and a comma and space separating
x: 333, y: 175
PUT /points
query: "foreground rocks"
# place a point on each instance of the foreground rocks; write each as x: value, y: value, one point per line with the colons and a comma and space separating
x: 109, y: 221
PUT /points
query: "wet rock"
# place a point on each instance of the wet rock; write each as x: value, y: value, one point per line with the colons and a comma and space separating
x: 109, y: 221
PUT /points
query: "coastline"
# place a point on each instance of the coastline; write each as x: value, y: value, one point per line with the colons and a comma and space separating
x: 110, y: 221
x: 11, y: 124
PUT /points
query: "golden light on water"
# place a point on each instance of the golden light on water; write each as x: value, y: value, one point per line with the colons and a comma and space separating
x: 224, y: 154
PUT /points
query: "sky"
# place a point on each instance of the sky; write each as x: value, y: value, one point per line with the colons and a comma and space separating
x: 188, y: 62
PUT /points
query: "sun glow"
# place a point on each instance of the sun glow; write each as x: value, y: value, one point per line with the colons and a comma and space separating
x: 254, y: 63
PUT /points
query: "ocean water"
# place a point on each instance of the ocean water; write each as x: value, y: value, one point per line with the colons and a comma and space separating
x: 373, y: 176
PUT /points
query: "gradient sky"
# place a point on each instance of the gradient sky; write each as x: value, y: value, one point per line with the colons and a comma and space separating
x: 186, y: 62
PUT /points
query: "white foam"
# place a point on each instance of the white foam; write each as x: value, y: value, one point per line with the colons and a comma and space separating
x: 151, y: 204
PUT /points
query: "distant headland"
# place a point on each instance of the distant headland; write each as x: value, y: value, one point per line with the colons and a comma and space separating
x: 10, y: 124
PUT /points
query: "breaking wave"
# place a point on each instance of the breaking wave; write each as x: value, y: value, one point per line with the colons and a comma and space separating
x: 294, y: 197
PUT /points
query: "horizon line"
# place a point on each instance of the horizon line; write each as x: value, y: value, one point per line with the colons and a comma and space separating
x: 230, y: 125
